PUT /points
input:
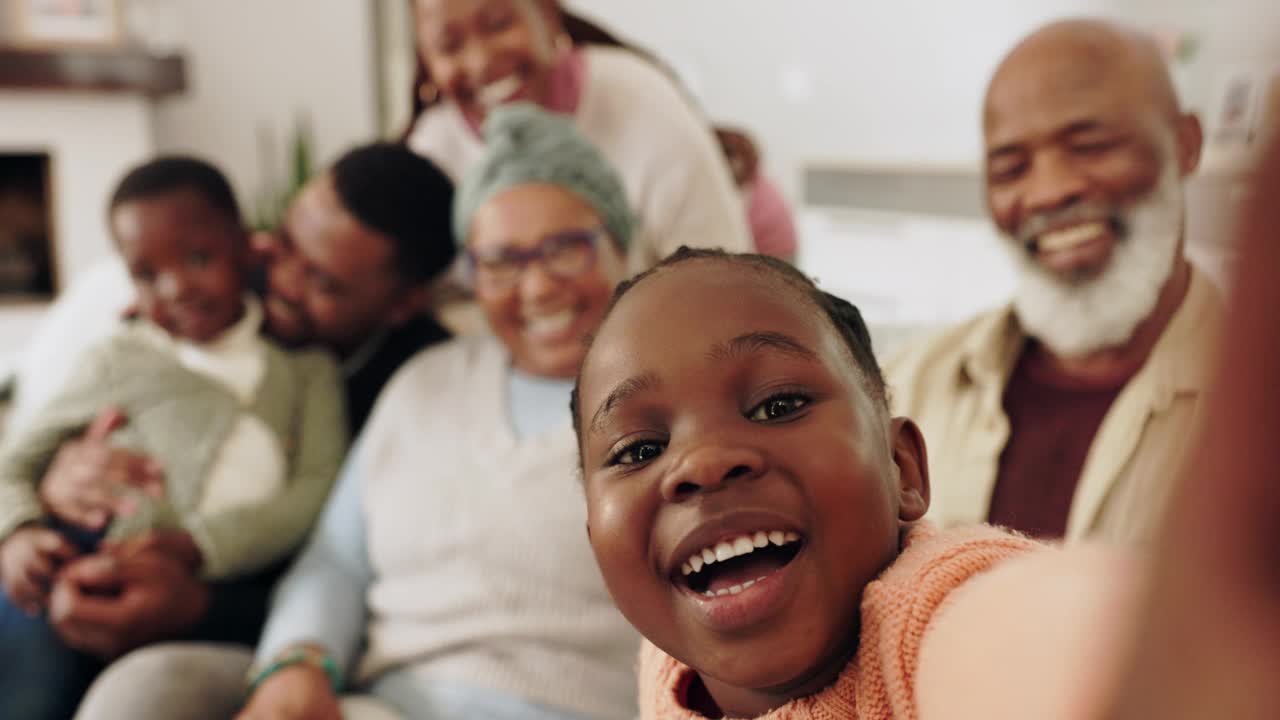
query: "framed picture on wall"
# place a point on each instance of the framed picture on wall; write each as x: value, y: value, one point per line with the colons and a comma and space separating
x: 53, y: 23
x: 27, y: 254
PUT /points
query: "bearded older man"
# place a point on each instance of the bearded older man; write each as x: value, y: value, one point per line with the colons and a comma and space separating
x: 1064, y: 415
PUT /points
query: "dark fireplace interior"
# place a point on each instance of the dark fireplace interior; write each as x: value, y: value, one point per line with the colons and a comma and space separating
x: 26, y: 228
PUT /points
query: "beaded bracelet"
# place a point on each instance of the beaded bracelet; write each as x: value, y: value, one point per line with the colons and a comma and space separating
x: 297, y: 655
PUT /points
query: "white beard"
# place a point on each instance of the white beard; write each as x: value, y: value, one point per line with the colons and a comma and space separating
x: 1075, y: 319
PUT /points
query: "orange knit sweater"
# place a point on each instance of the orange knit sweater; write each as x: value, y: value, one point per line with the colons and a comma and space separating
x: 879, y: 683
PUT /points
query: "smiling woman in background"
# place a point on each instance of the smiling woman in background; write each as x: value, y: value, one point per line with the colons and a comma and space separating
x: 476, y: 55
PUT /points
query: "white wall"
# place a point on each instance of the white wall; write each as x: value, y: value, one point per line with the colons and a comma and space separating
x: 831, y: 81
x: 886, y: 83
x: 92, y: 139
x: 835, y: 81
x: 900, y: 84
x: 254, y: 67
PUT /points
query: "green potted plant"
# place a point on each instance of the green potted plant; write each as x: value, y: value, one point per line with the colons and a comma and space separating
x: 299, y: 165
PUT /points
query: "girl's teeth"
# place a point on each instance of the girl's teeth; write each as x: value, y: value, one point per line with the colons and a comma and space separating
x: 741, y: 545
x: 724, y: 551
x: 732, y: 590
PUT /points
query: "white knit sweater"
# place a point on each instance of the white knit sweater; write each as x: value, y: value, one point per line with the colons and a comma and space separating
x: 676, y: 178
x: 478, y: 543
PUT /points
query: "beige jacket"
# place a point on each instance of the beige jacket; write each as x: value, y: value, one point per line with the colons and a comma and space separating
x: 953, y: 386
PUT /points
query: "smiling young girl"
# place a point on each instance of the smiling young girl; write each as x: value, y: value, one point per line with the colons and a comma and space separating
x: 756, y: 514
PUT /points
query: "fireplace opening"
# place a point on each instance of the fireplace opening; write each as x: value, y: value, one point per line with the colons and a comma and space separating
x: 26, y: 228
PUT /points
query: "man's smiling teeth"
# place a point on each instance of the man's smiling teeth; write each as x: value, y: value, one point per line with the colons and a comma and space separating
x: 1070, y: 237
x: 497, y: 92
x: 741, y: 545
x: 549, y: 324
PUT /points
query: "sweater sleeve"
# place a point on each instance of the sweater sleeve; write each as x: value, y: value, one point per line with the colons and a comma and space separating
x: 1051, y: 629
x: 254, y: 536
x: 27, y: 454
x: 322, y: 597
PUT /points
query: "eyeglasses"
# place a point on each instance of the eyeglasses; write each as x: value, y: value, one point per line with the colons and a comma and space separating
x: 563, y: 255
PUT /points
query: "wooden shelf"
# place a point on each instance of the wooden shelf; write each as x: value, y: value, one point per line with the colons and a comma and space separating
x: 92, y: 70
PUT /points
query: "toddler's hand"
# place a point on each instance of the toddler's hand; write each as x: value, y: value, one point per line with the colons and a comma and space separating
x: 29, y: 558
x: 85, y: 483
x: 177, y: 544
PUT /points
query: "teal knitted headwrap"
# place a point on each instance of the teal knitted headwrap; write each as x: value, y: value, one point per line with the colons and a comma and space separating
x: 525, y: 144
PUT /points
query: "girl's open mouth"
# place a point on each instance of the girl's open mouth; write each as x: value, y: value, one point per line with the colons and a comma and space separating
x: 731, y: 566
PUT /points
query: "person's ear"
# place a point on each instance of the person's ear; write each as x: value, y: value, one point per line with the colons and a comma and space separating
x: 912, y: 460
x: 410, y: 301
x: 1190, y: 143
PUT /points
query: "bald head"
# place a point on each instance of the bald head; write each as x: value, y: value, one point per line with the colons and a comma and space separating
x: 1082, y: 111
x: 1084, y: 144
x: 1073, y: 55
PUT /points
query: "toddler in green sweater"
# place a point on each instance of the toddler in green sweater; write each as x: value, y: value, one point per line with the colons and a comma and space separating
x: 249, y: 437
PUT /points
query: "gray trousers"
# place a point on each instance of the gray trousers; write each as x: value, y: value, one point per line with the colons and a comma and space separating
x: 189, y: 682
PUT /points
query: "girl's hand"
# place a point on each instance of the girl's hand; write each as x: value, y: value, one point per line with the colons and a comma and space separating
x: 1210, y: 629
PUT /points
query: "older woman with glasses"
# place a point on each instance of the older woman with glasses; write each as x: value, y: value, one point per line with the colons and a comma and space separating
x: 450, y: 575
x: 455, y: 552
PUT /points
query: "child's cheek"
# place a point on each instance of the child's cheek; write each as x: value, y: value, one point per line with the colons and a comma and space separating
x: 619, y: 536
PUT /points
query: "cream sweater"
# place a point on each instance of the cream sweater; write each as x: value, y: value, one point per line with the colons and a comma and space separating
x: 677, y: 180
x: 483, y: 573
